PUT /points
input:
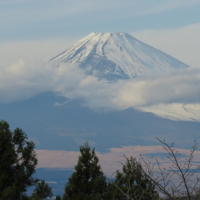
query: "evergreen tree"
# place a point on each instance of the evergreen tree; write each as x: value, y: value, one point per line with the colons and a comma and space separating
x: 17, y: 163
x: 88, y: 181
x: 43, y: 190
x: 131, y: 183
x: 58, y: 197
x: 34, y: 197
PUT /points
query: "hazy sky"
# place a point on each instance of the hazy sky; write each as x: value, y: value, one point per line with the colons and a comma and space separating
x: 42, y: 19
x: 40, y: 29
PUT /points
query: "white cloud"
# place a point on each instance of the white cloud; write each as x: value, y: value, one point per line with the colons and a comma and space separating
x: 177, y: 86
x: 110, y: 161
x: 23, y: 80
x: 51, y: 182
x: 175, y: 95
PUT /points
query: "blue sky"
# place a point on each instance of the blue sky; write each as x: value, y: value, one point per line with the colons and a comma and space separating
x: 42, y: 19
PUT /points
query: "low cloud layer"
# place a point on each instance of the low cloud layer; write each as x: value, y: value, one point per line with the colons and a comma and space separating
x: 175, y: 87
x: 112, y: 160
x: 22, y: 80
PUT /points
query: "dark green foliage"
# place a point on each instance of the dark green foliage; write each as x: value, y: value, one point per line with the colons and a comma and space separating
x: 24, y: 197
x: 43, y: 190
x: 17, y: 162
x: 88, y: 181
x: 131, y: 183
x: 8, y: 193
x: 34, y: 197
x: 58, y: 198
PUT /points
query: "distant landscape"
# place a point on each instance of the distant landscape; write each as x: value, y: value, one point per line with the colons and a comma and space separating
x: 120, y: 77
x: 64, y: 119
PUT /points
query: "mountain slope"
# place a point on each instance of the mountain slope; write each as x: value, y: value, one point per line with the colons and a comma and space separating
x: 117, y: 56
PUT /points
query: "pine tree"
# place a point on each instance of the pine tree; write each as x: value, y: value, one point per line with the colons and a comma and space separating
x: 17, y: 163
x: 88, y: 181
x: 58, y: 197
x: 43, y: 190
x: 34, y: 197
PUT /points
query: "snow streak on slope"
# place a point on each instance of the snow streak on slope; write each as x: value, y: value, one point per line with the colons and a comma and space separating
x: 175, y: 111
x: 117, y: 56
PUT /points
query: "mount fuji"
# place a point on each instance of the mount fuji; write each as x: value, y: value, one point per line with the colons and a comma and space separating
x: 109, y: 56
x: 115, y: 56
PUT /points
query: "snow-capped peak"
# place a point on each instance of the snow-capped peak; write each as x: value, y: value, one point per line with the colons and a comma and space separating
x: 117, y: 56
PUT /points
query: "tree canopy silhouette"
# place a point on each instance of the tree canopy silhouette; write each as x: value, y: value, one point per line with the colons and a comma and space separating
x: 88, y: 181
x: 17, y: 162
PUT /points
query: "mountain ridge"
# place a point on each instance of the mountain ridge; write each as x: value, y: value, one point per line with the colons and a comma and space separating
x: 117, y: 56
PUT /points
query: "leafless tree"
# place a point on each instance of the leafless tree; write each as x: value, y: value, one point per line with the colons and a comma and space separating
x: 132, y: 184
x: 163, y: 179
